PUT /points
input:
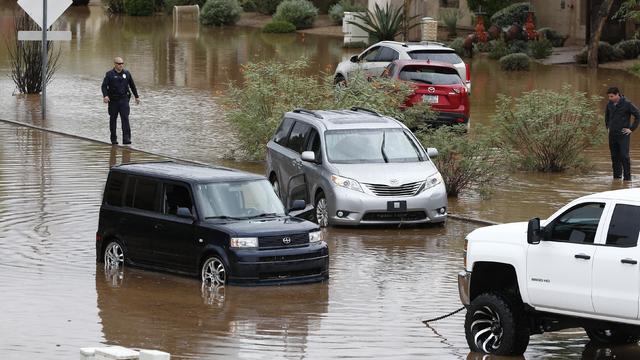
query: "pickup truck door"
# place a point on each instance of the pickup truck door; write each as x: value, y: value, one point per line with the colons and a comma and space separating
x: 616, y: 274
x: 559, y: 268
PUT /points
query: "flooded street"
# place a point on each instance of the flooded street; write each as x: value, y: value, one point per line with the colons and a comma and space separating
x: 383, y: 282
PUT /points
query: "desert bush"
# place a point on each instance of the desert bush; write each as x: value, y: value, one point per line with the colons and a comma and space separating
x: 267, y: 7
x: 548, y: 130
x: 450, y: 17
x: 300, y: 13
x: 541, y: 48
x: 499, y: 49
x: 635, y: 69
x: 629, y: 48
x: 484, y: 47
x: 220, y: 12
x: 279, y: 27
x: 169, y: 4
x: 457, y: 45
x: 466, y: 162
x: 273, y: 88
x: 606, y: 53
x: 385, y: 23
x: 514, y: 13
x: 138, y: 7
x: 556, y: 39
x: 114, y: 6
x: 515, y: 62
x: 336, y: 11
x: 249, y: 5
x: 516, y: 46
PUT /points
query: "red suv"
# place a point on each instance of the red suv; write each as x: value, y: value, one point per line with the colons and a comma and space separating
x: 438, y: 84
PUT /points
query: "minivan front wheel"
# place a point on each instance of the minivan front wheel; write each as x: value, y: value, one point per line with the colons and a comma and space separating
x: 322, y: 210
x: 214, y: 272
x: 114, y: 255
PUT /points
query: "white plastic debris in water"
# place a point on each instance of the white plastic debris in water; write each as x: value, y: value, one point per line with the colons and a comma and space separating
x: 116, y: 353
x: 87, y: 353
x: 154, y: 355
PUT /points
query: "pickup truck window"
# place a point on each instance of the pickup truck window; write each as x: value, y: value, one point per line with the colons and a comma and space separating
x: 577, y: 225
x: 624, y: 226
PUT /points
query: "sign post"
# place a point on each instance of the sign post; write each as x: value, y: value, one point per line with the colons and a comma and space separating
x: 54, y: 9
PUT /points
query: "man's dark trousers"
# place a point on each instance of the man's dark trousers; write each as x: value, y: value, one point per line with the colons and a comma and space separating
x: 120, y: 106
x: 619, y: 146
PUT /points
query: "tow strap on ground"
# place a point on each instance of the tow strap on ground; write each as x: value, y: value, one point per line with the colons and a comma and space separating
x: 443, y: 316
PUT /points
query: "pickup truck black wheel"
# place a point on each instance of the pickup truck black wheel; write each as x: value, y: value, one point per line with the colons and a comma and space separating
x: 496, y: 324
x: 612, y: 336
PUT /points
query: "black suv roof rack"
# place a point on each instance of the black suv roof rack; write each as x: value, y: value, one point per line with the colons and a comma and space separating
x: 312, y: 113
x: 372, y: 112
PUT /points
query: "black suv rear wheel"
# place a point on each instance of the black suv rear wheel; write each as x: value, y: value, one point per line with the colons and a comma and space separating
x: 496, y: 324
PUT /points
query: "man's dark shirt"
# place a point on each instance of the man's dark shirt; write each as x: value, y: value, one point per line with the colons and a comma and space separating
x: 617, y: 116
x: 116, y: 85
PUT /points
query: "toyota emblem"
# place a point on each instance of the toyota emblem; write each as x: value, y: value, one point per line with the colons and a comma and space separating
x: 394, y: 182
x: 431, y: 89
x: 286, y: 240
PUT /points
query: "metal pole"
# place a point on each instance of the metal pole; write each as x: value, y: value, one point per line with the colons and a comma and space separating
x: 44, y: 58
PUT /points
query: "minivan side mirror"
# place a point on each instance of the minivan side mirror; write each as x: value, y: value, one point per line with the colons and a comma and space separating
x: 533, y: 231
x: 184, y: 212
x: 354, y: 59
x: 298, y: 205
x: 309, y: 156
x: 432, y: 152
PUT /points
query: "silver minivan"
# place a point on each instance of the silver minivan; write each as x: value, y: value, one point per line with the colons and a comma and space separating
x: 355, y: 167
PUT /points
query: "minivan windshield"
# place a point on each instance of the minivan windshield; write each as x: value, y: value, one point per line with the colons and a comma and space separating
x: 239, y: 200
x: 371, y: 146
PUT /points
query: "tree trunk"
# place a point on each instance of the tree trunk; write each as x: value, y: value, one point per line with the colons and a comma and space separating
x: 600, y: 21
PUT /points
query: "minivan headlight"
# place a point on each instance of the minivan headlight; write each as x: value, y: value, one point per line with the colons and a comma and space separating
x: 433, y: 180
x: 244, y: 242
x: 315, y: 236
x: 346, y: 183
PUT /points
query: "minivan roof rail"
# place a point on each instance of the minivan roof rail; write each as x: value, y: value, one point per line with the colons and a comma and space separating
x: 372, y: 112
x: 312, y: 113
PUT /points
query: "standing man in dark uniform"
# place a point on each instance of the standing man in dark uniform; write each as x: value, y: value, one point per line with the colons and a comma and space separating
x: 617, y: 118
x: 115, y: 90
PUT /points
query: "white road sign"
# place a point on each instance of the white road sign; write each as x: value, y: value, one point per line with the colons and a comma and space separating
x: 55, y: 8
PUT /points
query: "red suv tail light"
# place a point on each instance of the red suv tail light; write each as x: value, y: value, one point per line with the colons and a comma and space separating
x: 466, y: 65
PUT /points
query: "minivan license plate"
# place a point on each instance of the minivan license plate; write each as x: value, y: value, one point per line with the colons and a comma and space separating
x: 431, y: 99
x: 397, y: 205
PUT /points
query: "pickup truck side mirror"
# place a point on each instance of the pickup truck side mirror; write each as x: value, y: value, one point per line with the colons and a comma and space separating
x: 298, y: 205
x: 533, y: 231
x: 354, y: 59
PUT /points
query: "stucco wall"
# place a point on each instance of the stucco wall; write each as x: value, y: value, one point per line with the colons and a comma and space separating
x: 568, y: 17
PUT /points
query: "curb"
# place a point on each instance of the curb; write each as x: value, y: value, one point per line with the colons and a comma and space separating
x: 61, y: 133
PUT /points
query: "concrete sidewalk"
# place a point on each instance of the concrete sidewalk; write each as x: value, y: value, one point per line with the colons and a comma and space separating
x: 562, y: 55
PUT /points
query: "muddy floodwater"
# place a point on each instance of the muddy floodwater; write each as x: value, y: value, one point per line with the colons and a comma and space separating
x: 55, y: 299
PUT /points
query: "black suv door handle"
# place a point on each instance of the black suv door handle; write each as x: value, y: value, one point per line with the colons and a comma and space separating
x: 629, y: 261
x: 582, y: 256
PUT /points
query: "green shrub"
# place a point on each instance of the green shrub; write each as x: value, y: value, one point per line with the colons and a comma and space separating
x: 635, y: 69
x: 138, y: 7
x: 629, y: 48
x: 484, y: 47
x: 220, y: 12
x: 541, y: 48
x: 385, y: 23
x: 515, y: 62
x: 516, y: 46
x: 114, y: 6
x: 556, y: 39
x: 300, y: 13
x: 548, y: 130
x: 271, y: 89
x: 489, y: 7
x: 249, y: 5
x: 606, y: 53
x: 514, y: 13
x: 466, y: 162
x: 499, y: 49
x: 336, y: 11
x: 267, y: 7
x: 279, y: 27
x: 457, y: 45
x: 169, y: 4
x: 450, y: 17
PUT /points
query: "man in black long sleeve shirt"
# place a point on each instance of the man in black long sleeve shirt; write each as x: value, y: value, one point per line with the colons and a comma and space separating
x: 617, y: 119
x: 115, y: 92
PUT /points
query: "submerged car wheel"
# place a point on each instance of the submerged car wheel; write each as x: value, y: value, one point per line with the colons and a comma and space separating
x: 322, y: 211
x: 612, y: 336
x: 113, y: 255
x: 495, y: 324
x: 214, y: 272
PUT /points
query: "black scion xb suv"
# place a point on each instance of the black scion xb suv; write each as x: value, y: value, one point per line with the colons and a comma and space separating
x: 223, y: 225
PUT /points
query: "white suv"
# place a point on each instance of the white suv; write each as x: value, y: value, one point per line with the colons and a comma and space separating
x: 578, y: 268
x: 376, y: 57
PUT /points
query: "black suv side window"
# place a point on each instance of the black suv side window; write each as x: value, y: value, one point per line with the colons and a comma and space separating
x: 114, y: 190
x: 624, y: 226
x: 283, y: 131
x: 176, y: 196
x: 298, y: 136
x: 141, y: 193
x: 577, y: 225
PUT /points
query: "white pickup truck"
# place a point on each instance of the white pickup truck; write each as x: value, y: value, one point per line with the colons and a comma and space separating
x: 578, y: 268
